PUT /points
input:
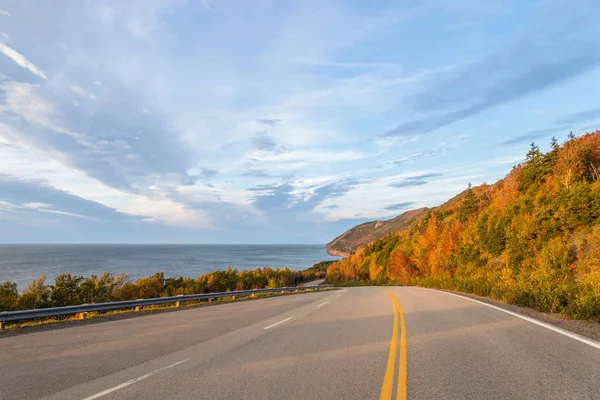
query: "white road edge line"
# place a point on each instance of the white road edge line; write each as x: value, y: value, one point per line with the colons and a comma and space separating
x: 271, y: 326
x: 135, y: 380
x: 322, y: 304
x: 579, y: 338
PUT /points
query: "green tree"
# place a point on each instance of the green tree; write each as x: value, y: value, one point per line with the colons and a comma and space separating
x: 8, y: 296
x: 65, y: 291
x: 37, y: 295
x: 469, y: 205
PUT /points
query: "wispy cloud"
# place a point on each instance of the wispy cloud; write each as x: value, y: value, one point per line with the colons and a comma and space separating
x: 82, y: 92
x: 415, y: 180
x: 580, y: 117
x: 269, y: 121
x: 400, y: 206
x: 257, y: 173
x: 5, y: 13
x: 23, y: 100
x: 535, y: 134
x: 266, y: 143
x: 21, y: 60
x: 39, y: 196
x: 539, y: 59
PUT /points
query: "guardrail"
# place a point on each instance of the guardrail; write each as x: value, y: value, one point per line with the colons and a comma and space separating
x: 10, y: 316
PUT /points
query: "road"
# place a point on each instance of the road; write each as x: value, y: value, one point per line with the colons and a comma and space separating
x: 355, y: 343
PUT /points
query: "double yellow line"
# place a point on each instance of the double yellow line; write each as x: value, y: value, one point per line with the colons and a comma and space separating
x: 388, y: 380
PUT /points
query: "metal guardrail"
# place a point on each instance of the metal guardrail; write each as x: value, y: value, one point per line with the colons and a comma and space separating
x: 9, y: 316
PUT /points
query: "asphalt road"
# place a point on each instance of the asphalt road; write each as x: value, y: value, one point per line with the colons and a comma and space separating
x: 355, y: 343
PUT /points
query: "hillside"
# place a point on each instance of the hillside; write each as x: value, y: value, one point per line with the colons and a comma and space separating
x: 349, y: 241
x: 531, y: 239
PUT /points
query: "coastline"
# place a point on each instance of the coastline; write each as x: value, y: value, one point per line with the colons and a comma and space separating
x: 337, y: 253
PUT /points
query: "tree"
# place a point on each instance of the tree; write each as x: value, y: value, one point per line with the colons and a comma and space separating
x: 534, y: 152
x: 65, y: 291
x: 469, y: 205
x: 8, y: 296
x: 37, y: 295
x: 534, y: 169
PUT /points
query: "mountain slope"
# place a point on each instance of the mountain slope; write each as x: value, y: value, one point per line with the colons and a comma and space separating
x: 347, y: 242
x: 531, y: 239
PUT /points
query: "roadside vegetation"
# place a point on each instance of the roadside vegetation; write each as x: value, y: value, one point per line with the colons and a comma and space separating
x: 70, y: 290
x: 319, y: 269
x: 531, y: 239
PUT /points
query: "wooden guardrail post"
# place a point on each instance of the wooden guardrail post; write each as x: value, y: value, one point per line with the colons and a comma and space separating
x: 178, y: 303
x: 2, y: 325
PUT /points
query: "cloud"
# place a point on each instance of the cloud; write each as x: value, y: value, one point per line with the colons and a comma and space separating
x: 122, y: 147
x: 24, y: 100
x: 5, y: 13
x: 419, y: 155
x: 21, y: 60
x: 269, y: 121
x: 208, y: 173
x: 39, y: 196
x: 533, y: 63
x: 405, y: 184
x: 415, y: 180
x: 534, y: 134
x: 579, y: 117
x: 82, y: 92
x: 279, y: 197
x: 400, y: 206
x: 286, y: 199
x: 425, y: 176
x: 257, y: 173
x: 266, y: 143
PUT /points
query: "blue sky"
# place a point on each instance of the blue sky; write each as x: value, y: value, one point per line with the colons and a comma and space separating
x: 174, y: 121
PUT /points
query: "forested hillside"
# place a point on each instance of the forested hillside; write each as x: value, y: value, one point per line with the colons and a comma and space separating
x: 349, y: 241
x: 532, y: 238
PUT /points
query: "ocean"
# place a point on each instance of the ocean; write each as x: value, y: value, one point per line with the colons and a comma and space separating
x: 23, y: 263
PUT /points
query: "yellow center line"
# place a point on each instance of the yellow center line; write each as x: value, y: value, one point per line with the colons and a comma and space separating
x: 388, y: 379
x: 403, y: 369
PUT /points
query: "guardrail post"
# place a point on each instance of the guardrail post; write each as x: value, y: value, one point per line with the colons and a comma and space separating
x: 2, y: 325
x: 178, y: 303
x: 81, y: 315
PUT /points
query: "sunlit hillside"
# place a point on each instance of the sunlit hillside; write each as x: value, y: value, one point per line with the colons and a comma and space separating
x: 532, y: 238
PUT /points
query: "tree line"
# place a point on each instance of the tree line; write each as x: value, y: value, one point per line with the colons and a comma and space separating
x: 72, y: 290
x: 531, y: 239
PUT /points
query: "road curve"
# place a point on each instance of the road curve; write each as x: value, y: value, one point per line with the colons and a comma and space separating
x: 355, y: 343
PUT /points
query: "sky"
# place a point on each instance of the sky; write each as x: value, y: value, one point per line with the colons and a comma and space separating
x: 233, y: 121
